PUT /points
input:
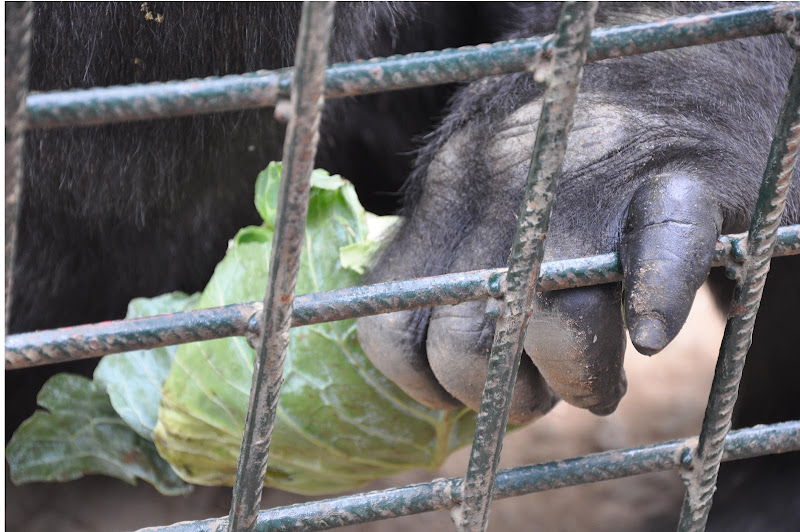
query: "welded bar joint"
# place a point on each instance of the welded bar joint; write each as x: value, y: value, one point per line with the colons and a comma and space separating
x: 443, y: 493
x: 264, y: 89
x: 738, y: 335
x: 564, y: 67
x: 299, y: 151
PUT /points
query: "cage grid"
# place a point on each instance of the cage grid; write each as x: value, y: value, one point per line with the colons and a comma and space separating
x: 746, y: 257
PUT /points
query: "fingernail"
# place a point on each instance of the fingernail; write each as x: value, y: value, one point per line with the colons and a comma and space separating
x: 604, y: 410
x: 649, y: 335
x: 616, y: 397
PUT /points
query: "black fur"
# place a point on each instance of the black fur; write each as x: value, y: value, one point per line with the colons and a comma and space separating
x: 114, y: 212
x: 121, y: 211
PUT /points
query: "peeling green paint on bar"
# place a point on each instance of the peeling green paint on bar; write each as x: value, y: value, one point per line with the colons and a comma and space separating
x: 299, y: 151
x: 565, y: 72
x: 19, y: 17
x: 264, y: 89
x: 95, y: 340
x: 701, y: 482
x: 446, y: 493
x: 98, y: 339
x: 745, y: 258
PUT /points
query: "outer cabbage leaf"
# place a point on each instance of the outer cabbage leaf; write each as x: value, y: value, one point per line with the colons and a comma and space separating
x: 357, y: 256
x: 82, y: 434
x: 133, y: 380
x: 340, y: 422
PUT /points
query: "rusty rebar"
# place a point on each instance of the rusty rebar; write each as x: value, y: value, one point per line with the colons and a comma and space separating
x: 299, y: 150
x: 701, y: 481
x: 19, y: 31
x: 96, y: 340
x: 264, y: 89
x: 446, y: 493
x: 565, y: 69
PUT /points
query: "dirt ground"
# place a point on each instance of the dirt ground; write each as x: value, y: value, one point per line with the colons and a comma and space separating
x: 665, y: 400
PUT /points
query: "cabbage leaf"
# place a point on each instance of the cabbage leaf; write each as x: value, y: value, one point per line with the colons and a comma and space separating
x: 340, y: 422
x: 133, y: 380
x: 177, y: 413
x: 81, y: 434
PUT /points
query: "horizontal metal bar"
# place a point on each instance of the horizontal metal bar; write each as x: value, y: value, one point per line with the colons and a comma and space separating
x: 265, y: 88
x: 96, y: 340
x: 446, y: 493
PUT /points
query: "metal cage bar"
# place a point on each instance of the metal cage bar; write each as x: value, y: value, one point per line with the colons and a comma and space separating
x: 701, y: 482
x: 745, y: 257
x: 265, y: 88
x: 299, y: 151
x: 565, y: 69
x: 441, y: 494
x: 18, y: 50
x: 96, y: 340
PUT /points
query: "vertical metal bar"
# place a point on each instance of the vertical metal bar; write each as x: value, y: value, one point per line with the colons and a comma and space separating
x: 566, y: 69
x: 18, y: 50
x: 299, y: 150
x: 701, y: 479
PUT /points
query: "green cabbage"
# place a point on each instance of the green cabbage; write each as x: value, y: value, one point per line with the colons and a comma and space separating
x: 82, y: 434
x: 340, y: 422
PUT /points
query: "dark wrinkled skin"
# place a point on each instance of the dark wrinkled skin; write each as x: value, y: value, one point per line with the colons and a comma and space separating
x: 648, y: 173
x: 666, y: 153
